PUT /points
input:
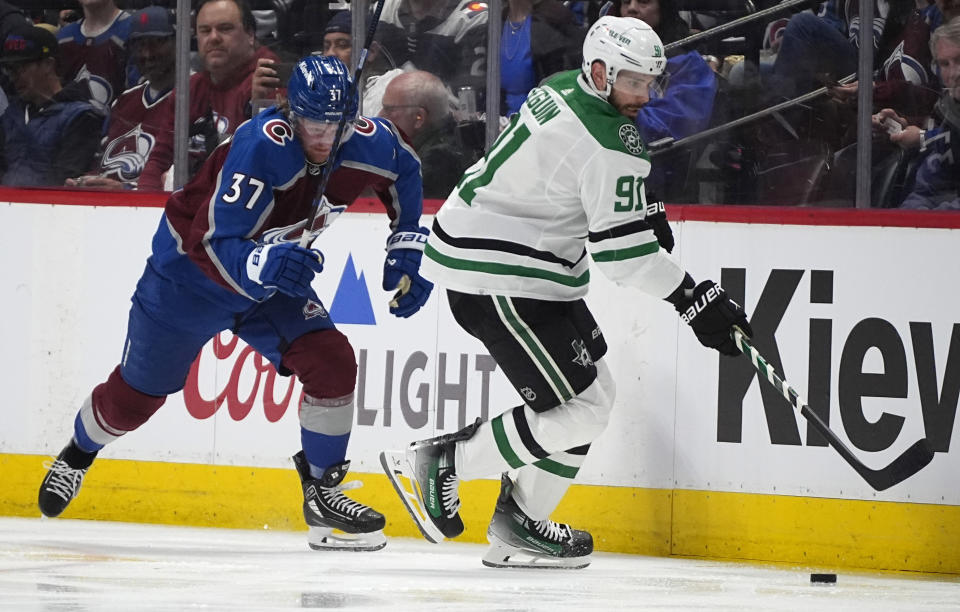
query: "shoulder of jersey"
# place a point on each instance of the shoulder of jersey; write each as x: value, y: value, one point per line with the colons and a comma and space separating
x: 372, y: 130
x: 271, y: 133
x: 608, y: 127
x: 69, y: 32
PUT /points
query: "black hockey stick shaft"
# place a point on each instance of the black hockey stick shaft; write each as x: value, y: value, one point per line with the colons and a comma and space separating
x: 305, y: 236
x: 904, y: 466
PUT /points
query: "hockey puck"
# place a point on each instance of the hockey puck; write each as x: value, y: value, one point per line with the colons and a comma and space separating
x: 823, y: 578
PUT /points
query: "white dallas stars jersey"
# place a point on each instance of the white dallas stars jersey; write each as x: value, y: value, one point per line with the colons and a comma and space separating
x: 565, y: 176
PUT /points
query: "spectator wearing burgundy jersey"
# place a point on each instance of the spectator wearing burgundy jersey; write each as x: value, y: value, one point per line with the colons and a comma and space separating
x: 95, y: 48
x: 137, y: 116
x: 220, y: 93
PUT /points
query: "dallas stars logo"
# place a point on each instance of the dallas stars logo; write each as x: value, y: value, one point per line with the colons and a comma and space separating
x: 631, y: 138
x: 581, y: 354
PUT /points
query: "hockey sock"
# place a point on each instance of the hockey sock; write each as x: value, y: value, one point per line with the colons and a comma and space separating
x: 325, y: 426
x: 80, y: 436
x: 539, y: 487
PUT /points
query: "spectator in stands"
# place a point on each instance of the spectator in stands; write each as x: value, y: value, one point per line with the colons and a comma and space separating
x: 338, y: 38
x: 540, y: 38
x: 49, y: 131
x: 220, y: 93
x: 445, y: 37
x: 421, y: 106
x: 137, y: 117
x: 337, y: 41
x: 681, y: 101
x: 95, y: 48
x: 814, y: 53
x: 937, y: 185
x: 903, y: 81
x: 10, y: 17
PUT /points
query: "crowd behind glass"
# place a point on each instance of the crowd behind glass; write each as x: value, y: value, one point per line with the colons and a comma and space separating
x: 764, y: 112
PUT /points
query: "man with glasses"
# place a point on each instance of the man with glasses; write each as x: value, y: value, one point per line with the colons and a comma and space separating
x: 420, y: 105
x: 50, y: 132
x: 226, y: 255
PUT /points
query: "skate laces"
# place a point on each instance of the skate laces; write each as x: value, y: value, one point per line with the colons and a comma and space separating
x: 558, y: 532
x: 338, y: 501
x: 448, y: 493
x: 63, y: 480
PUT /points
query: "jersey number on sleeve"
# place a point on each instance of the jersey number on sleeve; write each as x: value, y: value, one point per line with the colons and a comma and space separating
x: 630, y: 194
x: 236, y: 190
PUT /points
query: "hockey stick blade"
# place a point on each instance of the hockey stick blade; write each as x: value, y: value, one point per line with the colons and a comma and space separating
x: 908, y: 463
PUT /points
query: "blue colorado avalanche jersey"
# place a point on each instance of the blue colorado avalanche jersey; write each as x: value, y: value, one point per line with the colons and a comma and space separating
x: 257, y: 187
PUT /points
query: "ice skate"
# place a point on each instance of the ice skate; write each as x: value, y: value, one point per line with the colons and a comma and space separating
x: 337, y: 522
x: 425, y: 478
x: 516, y: 540
x: 64, y: 477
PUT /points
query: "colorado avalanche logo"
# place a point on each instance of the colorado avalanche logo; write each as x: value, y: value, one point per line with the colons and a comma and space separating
x: 126, y: 155
x: 326, y: 215
x: 631, y: 138
x: 278, y: 131
x: 364, y: 126
x: 101, y: 92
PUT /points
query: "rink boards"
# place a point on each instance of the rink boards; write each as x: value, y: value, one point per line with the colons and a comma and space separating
x: 699, y: 458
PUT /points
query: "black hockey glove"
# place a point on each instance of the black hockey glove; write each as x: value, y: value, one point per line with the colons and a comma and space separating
x: 657, y: 219
x: 710, y: 312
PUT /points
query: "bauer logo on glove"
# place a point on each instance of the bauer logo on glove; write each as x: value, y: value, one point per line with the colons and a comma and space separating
x: 711, y: 293
x: 401, y: 271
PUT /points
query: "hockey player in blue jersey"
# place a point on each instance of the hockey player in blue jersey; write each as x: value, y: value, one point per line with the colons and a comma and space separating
x: 226, y: 256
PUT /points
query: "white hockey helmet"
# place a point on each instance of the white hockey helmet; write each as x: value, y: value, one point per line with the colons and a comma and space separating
x: 622, y: 43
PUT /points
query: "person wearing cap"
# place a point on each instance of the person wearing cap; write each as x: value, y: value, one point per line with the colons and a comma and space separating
x: 337, y: 37
x: 137, y: 117
x: 50, y: 131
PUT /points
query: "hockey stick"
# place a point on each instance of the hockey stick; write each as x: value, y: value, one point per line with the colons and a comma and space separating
x: 335, y: 148
x: 906, y: 465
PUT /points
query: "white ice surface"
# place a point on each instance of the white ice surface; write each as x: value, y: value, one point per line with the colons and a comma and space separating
x: 64, y: 565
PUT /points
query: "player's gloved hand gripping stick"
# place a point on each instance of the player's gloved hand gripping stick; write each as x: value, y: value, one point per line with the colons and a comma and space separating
x: 720, y: 323
x: 285, y: 267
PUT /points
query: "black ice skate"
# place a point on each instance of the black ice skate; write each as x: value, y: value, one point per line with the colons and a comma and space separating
x: 64, y: 477
x: 516, y: 540
x: 430, y: 495
x: 337, y: 522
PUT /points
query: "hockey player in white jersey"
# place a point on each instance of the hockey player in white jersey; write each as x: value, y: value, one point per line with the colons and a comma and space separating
x: 510, y: 246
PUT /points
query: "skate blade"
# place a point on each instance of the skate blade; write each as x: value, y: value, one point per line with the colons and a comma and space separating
x: 327, y: 538
x: 505, y: 556
x: 399, y: 470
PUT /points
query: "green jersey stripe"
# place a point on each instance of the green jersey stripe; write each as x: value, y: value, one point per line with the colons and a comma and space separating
x: 554, y: 467
x: 534, y: 348
x: 503, y: 444
x: 511, y: 143
x: 628, y: 253
x: 505, y: 269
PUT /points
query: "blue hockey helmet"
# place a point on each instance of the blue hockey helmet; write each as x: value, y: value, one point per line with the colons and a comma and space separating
x: 318, y: 89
